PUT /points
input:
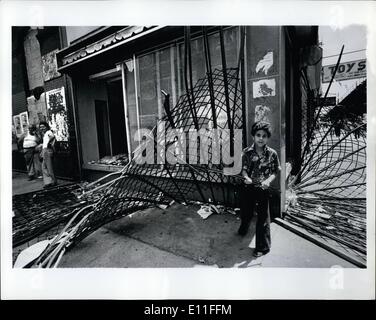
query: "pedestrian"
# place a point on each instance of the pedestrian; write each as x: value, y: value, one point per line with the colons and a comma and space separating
x: 47, y: 155
x: 260, y: 168
x: 29, y: 144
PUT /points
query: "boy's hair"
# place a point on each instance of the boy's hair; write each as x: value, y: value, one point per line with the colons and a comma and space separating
x: 261, y: 125
x: 45, y: 124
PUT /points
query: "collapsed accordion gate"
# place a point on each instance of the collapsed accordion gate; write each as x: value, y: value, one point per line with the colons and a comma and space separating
x: 214, y: 102
x: 327, y: 197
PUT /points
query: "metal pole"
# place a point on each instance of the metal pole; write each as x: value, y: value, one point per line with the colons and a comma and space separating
x: 225, y: 80
x: 76, y: 126
x: 243, y: 83
x: 158, y: 74
x: 173, y: 79
x: 135, y: 68
x: 125, y: 102
x: 191, y: 107
x: 209, y: 75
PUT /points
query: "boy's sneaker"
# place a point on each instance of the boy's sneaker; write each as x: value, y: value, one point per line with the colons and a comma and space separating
x: 258, y: 253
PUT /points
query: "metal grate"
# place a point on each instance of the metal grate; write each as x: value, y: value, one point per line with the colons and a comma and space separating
x: 213, y: 102
x: 327, y: 197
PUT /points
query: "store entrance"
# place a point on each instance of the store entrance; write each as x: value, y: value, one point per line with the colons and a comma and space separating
x: 117, y: 118
x: 111, y: 130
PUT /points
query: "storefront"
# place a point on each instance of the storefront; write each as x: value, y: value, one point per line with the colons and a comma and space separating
x: 41, y: 93
x: 119, y: 76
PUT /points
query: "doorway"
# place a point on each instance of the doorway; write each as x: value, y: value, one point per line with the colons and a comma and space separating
x: 117, y: 118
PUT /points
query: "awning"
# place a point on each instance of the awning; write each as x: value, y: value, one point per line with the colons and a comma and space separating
x: 66, y: 57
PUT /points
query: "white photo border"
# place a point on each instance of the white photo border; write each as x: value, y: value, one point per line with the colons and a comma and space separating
x: 194, y: 283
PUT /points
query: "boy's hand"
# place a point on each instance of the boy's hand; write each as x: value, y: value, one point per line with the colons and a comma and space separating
x: 265, y: 184
x: 248, y: 180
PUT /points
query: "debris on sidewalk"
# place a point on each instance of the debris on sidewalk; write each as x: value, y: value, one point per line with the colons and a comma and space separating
x: 117, y: 160
x: 165, y: 206
x: 207, y: 210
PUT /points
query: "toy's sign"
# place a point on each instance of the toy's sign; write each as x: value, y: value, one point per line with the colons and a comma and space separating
x: 346, y: 70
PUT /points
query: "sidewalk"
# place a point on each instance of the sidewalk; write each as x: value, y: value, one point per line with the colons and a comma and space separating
x: 179, y: 237
x: 21, y: 184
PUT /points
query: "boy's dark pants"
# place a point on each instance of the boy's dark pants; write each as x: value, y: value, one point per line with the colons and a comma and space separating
x: 249, y: 196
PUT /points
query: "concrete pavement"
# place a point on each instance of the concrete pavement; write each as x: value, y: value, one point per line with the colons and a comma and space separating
x: 21, y: 184
x: 179, y: 237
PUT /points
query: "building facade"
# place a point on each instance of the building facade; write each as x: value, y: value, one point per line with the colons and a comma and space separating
x: 98, y: 86
x: 119, y: 74
x: 41, y: 93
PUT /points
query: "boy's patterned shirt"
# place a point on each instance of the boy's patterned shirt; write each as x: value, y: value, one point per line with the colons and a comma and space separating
x: 261, y: 167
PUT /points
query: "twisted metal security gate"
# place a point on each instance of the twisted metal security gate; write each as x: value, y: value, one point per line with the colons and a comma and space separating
x: 327, y: 198
x: 216, y: 102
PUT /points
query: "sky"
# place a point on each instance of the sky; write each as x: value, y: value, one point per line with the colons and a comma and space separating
x: 354, y: 38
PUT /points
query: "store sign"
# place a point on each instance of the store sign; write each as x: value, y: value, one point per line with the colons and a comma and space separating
x: 328, y: 101
x: 346, y: 70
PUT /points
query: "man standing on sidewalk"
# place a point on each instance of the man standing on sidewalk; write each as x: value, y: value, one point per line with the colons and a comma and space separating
x: 30, y: 142
x: 47, y: 154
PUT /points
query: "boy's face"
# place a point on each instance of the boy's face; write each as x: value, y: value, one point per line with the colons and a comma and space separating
x: 42, y: 128
x: 261, y: 138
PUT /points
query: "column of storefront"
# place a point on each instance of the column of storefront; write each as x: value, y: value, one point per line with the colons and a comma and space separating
x: 265, y: 88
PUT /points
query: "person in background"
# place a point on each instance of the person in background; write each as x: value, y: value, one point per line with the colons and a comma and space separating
x: 47, y: 155
x: 29, y: 144
x: 260, y: 168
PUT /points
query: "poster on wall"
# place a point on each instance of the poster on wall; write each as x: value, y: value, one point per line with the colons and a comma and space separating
x: 24, y: 121
x: 17, y: 125
x: 262, y: 113
x: 57, y: 115
x: 49, y: 64
x: 264, y: 88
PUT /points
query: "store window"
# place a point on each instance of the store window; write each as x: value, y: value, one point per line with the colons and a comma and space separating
x: 156, y: 74
x: 163, y: 70
x: 148, y: 76
x: 231, y: 43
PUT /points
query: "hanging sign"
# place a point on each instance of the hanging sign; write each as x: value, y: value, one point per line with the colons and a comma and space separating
x: 346, y: 70
x: 328, y: 101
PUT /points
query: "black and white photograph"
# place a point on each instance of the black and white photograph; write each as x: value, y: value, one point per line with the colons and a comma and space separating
x: 187, y: 148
